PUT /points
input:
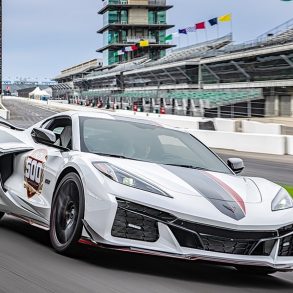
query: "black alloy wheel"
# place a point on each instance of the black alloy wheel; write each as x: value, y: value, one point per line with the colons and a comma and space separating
x: 67, y: 214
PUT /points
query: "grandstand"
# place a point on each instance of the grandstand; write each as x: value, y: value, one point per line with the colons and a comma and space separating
x: 212, y: 78
x: 65, y: 88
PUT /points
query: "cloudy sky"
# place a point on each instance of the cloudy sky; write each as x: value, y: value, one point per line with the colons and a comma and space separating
x: 42, y: 37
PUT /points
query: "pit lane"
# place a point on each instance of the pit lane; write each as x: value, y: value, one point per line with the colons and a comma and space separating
x: 28, y: 264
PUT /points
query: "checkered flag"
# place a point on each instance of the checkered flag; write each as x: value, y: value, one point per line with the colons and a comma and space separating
x: 191, y: 29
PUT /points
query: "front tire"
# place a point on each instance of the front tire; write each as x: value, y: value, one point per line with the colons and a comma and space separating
x: 67, y: 214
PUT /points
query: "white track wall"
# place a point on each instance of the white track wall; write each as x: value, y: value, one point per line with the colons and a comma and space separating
x: 263, y: 128
x: 256, y: 143
x: 290, y: 145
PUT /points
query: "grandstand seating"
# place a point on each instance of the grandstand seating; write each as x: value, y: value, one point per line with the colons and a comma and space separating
x: 94, y: 94
x: 210, y: 99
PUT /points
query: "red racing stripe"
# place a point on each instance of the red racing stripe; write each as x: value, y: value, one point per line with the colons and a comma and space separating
x: 231, y: 191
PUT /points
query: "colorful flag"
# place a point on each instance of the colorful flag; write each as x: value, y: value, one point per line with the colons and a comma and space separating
x: 169, y: 38
x: 134, y: 48
x: 225, y: 18
x: 144, y: 43
x: 128, y: 49
x: 182, y: 31
x: 191, y: 29
x: 213, y: 21
x: 200, y: 26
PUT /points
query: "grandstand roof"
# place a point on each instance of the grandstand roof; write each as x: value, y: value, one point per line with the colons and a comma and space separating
x: 80, y: 68
x: 62, y: 86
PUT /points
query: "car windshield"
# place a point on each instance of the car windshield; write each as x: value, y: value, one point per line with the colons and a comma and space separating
x: 146, y: 142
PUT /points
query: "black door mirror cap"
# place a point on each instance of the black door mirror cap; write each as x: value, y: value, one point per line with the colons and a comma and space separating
x: 236, y: 164
x: 42, y: 135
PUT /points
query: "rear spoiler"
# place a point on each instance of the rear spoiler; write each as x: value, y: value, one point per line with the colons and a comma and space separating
x: 11, y: 126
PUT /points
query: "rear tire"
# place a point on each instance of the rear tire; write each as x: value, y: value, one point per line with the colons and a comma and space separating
x: 257, y: 271
x: 67, y: 214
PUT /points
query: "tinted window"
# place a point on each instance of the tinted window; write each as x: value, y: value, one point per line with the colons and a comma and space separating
x: 146, y: 142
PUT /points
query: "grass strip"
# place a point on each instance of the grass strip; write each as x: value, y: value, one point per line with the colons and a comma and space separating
x: 289, y: 189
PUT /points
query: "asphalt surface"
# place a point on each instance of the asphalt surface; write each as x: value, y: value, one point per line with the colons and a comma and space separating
x: 28, y: 263
x: 25, y: 114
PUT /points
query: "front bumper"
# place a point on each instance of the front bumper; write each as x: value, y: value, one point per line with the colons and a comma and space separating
x: 141, y: 229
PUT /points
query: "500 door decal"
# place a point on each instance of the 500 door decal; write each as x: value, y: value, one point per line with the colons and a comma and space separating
x: 34, y: 172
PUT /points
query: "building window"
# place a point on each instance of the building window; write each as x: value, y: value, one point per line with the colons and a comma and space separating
x: 113, y: 17
x: 116, y: 17
x: 161, y: 17
x: 124, y: 16
x: 112, y: 57
x: 162, y: 36
x: 157, y: 17
x: 152, y: 17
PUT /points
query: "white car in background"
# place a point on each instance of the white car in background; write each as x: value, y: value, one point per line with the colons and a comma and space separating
x: 136, y: 186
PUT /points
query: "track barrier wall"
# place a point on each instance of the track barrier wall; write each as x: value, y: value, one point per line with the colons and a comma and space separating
x: 256, y: 143
x: 290, y: 145
x: 262, y: 128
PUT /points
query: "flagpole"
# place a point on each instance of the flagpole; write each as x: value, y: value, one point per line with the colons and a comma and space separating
x: 231, y: 25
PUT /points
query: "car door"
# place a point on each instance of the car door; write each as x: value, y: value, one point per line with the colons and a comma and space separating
x: 53, y: 159
x: 11, y: 146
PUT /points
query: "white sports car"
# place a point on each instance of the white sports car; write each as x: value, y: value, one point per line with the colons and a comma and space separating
x: 134, y: 185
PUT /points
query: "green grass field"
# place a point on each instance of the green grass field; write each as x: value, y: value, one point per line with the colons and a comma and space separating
x: 290, y: 189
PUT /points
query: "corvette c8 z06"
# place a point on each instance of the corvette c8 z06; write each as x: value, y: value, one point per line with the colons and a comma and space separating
x: 134, y: 185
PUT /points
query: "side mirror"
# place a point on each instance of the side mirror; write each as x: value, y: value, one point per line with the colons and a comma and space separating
x: 43, y: 136
x: 236, y: 164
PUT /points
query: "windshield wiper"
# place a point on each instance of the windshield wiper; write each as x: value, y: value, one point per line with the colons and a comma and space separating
x: 116, y: 156
x: 111, y: 155
x: 188, y: 166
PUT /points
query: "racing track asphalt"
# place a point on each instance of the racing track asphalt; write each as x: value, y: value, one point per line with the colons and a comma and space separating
x: 29, y: 265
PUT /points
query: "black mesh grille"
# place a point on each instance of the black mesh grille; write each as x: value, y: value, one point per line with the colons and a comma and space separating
x: 150, y: 212
x: 227, y: 245
x: 222, y: 240
x: 134, y: 226
x: 285, y: 230
x: 286, y: 246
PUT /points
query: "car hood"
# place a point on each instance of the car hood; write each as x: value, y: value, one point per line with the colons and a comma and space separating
x: 180, y: 180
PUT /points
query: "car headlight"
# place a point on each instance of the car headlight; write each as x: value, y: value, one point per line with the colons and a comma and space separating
x: 282, y: 201
x: 126, y: 178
